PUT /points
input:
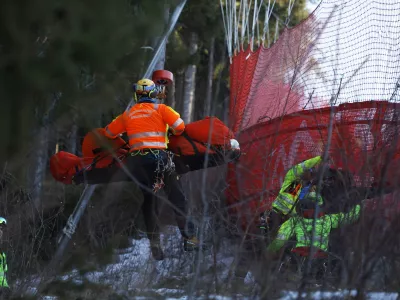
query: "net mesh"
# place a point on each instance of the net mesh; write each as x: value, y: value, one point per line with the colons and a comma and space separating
x: 345, y: 54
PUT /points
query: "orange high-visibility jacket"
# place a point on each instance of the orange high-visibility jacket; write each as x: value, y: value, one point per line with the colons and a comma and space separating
x: 146, y: 125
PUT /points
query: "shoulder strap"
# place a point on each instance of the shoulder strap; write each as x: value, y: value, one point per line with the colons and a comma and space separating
x: 186, y: 136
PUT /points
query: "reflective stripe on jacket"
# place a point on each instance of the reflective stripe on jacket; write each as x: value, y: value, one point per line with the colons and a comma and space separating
x: 146, y: 125
x: 3, y: 270
x: 285, y: 200
x: 302, y: 228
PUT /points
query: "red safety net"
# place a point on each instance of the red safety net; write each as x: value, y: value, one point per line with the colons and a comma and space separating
x: 280, y: 101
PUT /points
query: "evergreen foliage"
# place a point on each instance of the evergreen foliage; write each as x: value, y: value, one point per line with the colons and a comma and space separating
x: 88, y: 52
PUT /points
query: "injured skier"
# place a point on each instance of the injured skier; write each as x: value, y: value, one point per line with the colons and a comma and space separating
x: 205, y: 143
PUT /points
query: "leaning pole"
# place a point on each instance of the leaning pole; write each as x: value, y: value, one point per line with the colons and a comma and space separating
x: 87, y: 193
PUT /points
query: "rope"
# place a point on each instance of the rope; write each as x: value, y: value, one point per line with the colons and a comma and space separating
x: 238, y: 22
x: 254, y: 24
x: 163, y: 168
x: 236, y: 28
x: 268, y: 13
x: 276, y: 29
x: 230, y: 23
x: 290, y: 7
x: 233, y: 19
x: 247, y: 21
x: 258, y: 24
x: 227, y: 36
x: 243, y: 31
x: 258, y: 32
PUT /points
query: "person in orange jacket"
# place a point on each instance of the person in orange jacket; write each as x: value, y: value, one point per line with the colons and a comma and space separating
x: 147, y: 124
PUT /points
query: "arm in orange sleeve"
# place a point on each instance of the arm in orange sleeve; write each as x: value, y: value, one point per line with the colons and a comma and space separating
x: 115, y: 128
x: 173, y: 119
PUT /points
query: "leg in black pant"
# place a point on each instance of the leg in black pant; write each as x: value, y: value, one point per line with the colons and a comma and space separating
x: 152, y: 226
x: 174, y: 191
x: 150, y: 219
x: 142, y: 169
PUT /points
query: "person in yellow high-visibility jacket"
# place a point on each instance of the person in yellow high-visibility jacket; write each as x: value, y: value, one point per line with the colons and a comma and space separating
x: 297, y: 180
x: 4, y: 288
x: 297, y: 185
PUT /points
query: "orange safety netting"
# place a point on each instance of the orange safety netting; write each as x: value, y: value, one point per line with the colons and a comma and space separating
x: 362, y: 146
x: 344, y: 54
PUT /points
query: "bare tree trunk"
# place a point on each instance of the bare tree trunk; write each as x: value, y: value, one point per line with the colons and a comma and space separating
x: 190, y: 83
x: 207, y: 106
x: 73, y: 136
x: 226, y: 109
x: 178, y: 101
x: 171, y: 95
x: 40, y: 165
x: 41, y: 156
x: 218, y: 87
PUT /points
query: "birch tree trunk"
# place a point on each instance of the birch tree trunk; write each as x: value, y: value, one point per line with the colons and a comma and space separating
x: 207, y: 106
x: 190, y: 82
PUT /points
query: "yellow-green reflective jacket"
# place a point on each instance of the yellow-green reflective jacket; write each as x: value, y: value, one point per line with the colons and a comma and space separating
x: 302, y: 228
x: 291, y: 187
x: 3, y: 270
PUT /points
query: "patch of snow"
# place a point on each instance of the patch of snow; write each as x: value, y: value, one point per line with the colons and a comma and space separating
x: 164, y: 291
x: 249, y: 279
x: 212, y: 297
x: 31, y: 290
x: 70, y: 275
x: 289, y: 295
x: 138, y: 271
x: 380, y: 296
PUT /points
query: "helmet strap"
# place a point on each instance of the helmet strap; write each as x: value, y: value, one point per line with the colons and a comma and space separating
x: 145, y: 99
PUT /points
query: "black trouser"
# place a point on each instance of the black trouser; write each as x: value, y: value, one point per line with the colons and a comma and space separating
x: 145, y: 169
x: 173, y: 189
x: 189, y: 163
x: 248, y: 256
x: 253, y: 248
x: 275, y: 220
x: 317, y: 266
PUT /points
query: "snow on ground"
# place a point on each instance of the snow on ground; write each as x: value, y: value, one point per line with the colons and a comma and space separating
x: 289, y: 295
x: 137, y: 273
x: 138, y: 269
